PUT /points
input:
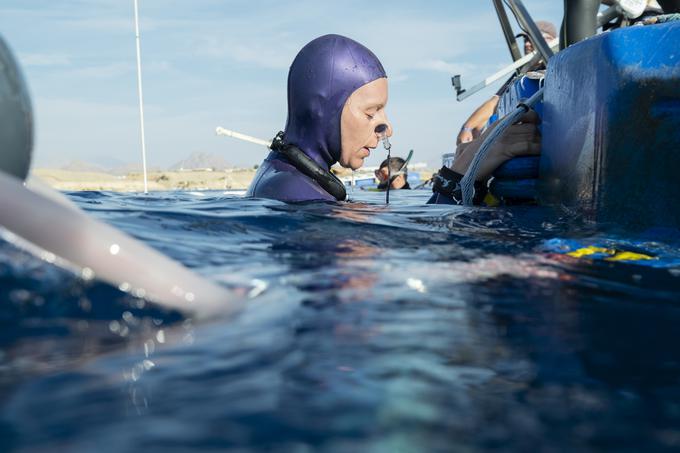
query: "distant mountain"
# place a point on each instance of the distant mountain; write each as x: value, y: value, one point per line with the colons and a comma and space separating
x: 109, y: 162
x: 122, y: 168
x: 200, y: 160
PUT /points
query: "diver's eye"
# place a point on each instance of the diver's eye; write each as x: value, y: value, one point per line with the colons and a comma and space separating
x: 369, y: 116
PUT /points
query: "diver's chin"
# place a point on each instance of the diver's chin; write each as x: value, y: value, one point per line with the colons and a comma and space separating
x: 357, y: 163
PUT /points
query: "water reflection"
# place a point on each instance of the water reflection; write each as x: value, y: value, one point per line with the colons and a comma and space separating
x: 368, y: 328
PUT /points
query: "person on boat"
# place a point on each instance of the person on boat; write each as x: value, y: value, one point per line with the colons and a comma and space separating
x: 337, y: 93
x: 397, y: 174
x: 479, y: 119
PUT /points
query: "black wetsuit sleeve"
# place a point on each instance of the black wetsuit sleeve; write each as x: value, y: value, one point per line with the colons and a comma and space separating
x: 447, y: 190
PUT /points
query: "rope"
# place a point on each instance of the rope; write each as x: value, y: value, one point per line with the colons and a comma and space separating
x: 467, y: 184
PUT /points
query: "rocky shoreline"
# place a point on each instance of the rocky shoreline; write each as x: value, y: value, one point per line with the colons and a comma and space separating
x: 231, y: 179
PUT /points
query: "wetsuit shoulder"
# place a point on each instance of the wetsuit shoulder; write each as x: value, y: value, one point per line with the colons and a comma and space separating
x: 277, y: 179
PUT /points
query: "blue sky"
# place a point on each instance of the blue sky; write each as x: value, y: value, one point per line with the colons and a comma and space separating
x: 208, y: 63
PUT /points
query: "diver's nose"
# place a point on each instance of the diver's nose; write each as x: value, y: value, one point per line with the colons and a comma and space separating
x: 384, y: 128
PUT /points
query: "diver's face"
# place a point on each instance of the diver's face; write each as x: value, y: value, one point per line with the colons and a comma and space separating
x: 362, y: 113
x: 397, y: 183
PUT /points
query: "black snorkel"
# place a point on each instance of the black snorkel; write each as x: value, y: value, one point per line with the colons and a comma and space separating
x: 405, y: 164
x: 307, y: 166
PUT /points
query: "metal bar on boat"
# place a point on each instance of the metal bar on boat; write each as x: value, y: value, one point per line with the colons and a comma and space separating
x: 244, y: 137
x: 507, y: 30
x: 607, y: 15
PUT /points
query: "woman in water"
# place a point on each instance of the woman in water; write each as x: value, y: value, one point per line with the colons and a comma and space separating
x: 337, y: 93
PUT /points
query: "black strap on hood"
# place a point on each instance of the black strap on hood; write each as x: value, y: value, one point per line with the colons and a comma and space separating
x: 308, y: 166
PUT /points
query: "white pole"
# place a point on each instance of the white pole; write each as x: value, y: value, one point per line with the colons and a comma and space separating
x: 141, y: 98
x: 503, y: 72
x: 244, y: 137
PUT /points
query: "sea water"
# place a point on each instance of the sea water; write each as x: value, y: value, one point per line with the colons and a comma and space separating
x: 368, y: 327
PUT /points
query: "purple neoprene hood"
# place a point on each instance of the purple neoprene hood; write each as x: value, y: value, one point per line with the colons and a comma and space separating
x: 323, y: 75
x: 321, y: 78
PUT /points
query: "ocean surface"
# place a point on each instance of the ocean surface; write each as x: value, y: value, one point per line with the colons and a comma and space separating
x: 368, y: 328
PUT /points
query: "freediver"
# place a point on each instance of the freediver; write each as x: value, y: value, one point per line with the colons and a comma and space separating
x: 337, y: 93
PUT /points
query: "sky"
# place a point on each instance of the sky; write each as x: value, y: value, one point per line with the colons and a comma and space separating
x: 208, y: 63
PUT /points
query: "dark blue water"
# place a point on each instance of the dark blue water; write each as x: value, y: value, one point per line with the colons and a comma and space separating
x: 408, y: 328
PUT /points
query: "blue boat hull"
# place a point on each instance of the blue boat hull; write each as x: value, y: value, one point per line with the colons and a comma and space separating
x: 611, y: 127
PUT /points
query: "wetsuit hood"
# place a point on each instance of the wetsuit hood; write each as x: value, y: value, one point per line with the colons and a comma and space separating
x: 323, y: 75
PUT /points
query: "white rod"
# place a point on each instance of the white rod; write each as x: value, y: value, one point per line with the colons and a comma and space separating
x: 141, y: 97
x: 244, y: 137
x: 505, y: 71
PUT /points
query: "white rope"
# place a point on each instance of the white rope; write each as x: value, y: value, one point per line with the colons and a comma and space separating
x: 467, y: 184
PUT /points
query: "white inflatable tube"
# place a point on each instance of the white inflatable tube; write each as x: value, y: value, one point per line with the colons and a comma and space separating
x: 45, y: 222
x: 106, y: 253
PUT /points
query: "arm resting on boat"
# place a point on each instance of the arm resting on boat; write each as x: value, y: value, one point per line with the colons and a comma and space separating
x: 521, y: 139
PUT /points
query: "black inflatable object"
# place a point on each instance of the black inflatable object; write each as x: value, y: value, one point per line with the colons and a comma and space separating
x: 580, y: 21
x: 16, y: 117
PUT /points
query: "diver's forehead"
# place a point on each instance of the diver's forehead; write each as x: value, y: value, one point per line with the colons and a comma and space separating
x: 371, y: 95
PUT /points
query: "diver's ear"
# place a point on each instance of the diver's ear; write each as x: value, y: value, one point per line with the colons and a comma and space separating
x: 16, y: 126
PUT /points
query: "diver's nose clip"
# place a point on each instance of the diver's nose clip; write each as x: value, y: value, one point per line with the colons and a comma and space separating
x: 381, y: 130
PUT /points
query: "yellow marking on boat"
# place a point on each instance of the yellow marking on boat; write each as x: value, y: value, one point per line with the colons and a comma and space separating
x: 629, y: 256
x: 590, y: 250
x: 614, y: 255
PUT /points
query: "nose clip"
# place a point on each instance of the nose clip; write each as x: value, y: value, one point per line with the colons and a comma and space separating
x: 381, y: 131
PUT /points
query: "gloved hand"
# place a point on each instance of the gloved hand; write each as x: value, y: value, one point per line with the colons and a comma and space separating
x: 520, y: 139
